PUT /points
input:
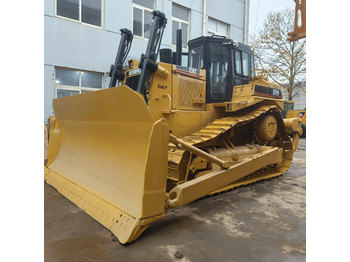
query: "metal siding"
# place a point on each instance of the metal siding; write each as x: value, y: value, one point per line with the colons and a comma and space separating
x: 230, y: 12
x: 49, y: 7
x: 236, y: 33
x: 196, y: 25
x: 49, y: 91
x: 196, y: 5
x: 300, y: 102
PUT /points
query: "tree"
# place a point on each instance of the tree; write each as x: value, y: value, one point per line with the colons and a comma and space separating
x: 284, y: 62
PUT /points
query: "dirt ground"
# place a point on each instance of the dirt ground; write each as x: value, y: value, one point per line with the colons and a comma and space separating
x: 261, y: 222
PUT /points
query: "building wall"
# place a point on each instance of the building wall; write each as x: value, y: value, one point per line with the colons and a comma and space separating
x: 74, y: 45
x: 300, y: 102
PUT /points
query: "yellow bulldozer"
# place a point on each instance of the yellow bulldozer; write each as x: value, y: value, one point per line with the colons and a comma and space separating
x: 290, y: 112
x: 168, y: 134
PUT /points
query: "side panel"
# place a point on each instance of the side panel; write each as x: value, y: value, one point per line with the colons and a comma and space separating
x: 188, y: 90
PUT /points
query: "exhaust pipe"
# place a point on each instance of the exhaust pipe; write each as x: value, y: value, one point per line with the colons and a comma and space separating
x: 178, y: 57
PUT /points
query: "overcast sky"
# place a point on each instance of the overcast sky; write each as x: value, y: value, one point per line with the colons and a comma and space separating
x: 260, y: 8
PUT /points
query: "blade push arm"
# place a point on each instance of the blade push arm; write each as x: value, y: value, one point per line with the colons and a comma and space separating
x: 116, y: 72
x: 148, y: 61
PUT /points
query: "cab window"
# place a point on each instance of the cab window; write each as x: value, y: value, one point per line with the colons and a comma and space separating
x: 238, y: 62
x: 288, y: 106
x: 242, y: 63
x: 252, y: 65
x: 245, y: 63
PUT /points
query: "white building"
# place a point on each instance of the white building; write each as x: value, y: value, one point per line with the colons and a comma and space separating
x: 82, y: 36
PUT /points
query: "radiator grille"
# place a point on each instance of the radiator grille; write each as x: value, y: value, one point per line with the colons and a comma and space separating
x: 189, y: 90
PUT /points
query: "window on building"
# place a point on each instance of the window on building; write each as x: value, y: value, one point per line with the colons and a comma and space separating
x: 84, y: 11
x: 216, y: 27
x: 180, y: 20
x: 142, y: 17
x: 72, y: 82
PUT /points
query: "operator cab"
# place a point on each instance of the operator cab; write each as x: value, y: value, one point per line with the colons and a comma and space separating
x: 227, y: 64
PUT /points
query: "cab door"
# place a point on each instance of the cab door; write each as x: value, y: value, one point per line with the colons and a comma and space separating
x: 219, y: 73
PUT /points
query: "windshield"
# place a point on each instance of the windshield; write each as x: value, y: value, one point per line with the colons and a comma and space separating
x: 196, y: 57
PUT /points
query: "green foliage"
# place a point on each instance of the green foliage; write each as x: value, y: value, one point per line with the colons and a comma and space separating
x: 283, y: 61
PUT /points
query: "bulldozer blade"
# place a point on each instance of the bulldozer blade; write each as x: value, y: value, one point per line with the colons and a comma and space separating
x: 110, y: 159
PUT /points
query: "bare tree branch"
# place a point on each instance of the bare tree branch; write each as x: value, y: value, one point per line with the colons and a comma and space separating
x: 284, y: 62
